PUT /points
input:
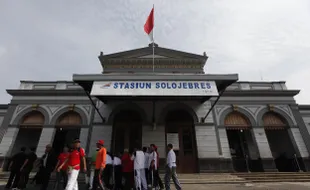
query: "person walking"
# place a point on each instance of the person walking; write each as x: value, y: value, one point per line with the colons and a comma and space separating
x: 156, y: 172
x: 127, y: 170
x: 74, y: 161
x: 171, y: 169
x: 117, y: 164
x: 108, y: 170
x: 15, y: 167
x: 27, y: 168
x: 146, y: 164
x: 139, y: 172
x: 100, y: 165
x: 92, y: 168
x: 63, y: 172
x: 48, y: 164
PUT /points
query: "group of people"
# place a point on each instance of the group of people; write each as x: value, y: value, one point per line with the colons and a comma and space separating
x: 127, y: 170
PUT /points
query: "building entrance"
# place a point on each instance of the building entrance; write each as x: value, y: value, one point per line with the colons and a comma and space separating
x: 180, y: 133
x: 127, y: 131
x: 64, y: 137
x: 29, y: 133
x: 244, y: 152
x: 280, y: 143
x: 68, y: 127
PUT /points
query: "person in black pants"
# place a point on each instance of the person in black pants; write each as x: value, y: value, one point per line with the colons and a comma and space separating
x: 117, y: 171
x: 49, y: 161
x: 15, y: 168
x: 27, y: 167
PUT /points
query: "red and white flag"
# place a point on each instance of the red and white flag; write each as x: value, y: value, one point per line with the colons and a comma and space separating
x: 149, y: 25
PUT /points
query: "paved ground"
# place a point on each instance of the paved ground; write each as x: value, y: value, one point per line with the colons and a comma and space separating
x: 266, y: 186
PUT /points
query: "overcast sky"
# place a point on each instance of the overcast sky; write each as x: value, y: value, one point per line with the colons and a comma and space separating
x: 51, y: 40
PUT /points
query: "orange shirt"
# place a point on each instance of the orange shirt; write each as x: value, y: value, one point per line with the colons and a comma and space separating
x: 101, y: 158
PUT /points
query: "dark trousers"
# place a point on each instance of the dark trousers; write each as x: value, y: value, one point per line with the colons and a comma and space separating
x: 160, y: 182
x: 14, y: 175
x: 98, y: 180
x: 46, y: 174
x: 107, y: 175
x: 147, y: 176
x: 61, y: 175
x: 118, y: 177
x: 128, y: 176
x: 155, y: 178
x: 24, y: 178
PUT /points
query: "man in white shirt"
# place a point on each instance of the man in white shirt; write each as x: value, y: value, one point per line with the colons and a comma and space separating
x: 139, y: 172
x: 146, y: 163
x: 108, y: 170
x: 171, y: 169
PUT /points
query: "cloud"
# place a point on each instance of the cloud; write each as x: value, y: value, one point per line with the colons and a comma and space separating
x: 51, y: 40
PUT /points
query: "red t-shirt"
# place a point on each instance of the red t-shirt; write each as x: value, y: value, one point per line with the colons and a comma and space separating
x: 74, y: 159
x: 127, y: 163
x: 62, y: 157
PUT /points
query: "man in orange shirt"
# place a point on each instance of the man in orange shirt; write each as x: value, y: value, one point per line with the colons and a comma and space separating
x: 100, y: 165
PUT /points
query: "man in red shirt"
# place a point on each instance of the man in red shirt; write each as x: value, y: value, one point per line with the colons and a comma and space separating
x: 127, y: 165
x: 74, y: 162
x: 63, y: 172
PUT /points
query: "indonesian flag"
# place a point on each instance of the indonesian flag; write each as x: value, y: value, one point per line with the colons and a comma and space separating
x: 149, y: 25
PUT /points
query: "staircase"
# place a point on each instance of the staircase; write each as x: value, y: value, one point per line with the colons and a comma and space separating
x: 220, y: 178
x: 274, y: 177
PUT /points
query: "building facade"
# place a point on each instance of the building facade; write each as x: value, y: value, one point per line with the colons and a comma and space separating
x: 253, y: 126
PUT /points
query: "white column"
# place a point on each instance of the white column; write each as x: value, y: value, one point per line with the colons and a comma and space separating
x: 224, y: 143
x: 300, y: 142
x: 100, y: 132
x: 262, y: 143
x: 155, y: 136
x: 47, y: 136
x: 84, y: 137
x: 8, y: 140
x: 206, y: 142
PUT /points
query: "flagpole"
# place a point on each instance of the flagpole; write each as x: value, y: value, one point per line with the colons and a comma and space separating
x: 153, y: 40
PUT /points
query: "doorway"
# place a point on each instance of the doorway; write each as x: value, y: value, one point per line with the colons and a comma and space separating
x: 127, y: 131
x: 243, y: 149
x: 23, y: 140
x: 180, y: 132
x: 280, y: 143
x: 64, y: 137
x: 68, y: 127
x: 30, y: 126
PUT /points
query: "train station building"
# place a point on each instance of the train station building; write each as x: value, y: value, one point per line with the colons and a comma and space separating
x: 215, y: 122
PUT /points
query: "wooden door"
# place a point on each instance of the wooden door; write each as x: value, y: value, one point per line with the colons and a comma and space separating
x: 187, y: 153
x: 186, y: 156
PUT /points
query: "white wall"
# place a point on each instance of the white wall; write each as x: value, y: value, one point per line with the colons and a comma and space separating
x: 224, y: 143
x: 206, y: 142
x: 46, y: 138
x: 300, y: 142
x: 262, y: 143
x: 157, y: 137
x: 100, y: 132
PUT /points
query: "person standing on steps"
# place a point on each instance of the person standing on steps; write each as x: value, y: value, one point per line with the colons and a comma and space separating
x: 146, y: 164
x: 63, y: 172
x: 27, y: 168
x: 171, y: 169
x: 15, y: 166
x: 74, y: 165
x: 49, y: 161
x: 100, y: 165
x: 139, y: 171
x: 92, y: 168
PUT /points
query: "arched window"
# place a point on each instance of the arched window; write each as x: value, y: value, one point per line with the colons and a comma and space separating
x: 32, y: 119
x: 236, y: 121
x: 69, y: 118
x: 273, y: 121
